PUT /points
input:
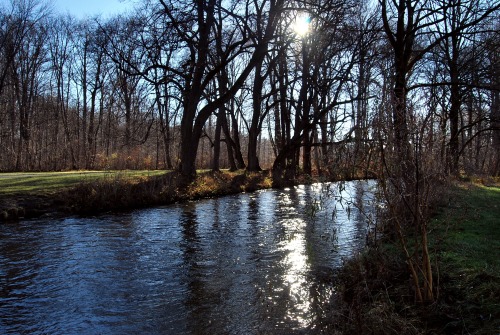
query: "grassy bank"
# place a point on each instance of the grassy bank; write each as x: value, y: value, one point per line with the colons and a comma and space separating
x: 469, y: 251
x: 373, y: 293
x: 374, y: 290
x: 27, y: 195
x: 46, y: 183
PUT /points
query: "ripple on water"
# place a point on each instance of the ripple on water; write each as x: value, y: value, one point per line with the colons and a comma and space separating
x: 244, y: 264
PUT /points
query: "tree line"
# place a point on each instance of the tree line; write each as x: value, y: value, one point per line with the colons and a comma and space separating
x: 405, y: 90
x: 231, y: 84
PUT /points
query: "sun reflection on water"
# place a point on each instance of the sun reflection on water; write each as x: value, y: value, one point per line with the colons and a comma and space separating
x: 260, y: 263
x: 296, y: 264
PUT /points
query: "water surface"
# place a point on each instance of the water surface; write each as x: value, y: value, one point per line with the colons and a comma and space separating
x: 258, y: 263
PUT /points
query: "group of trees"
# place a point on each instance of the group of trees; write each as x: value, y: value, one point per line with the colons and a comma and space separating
x: 223, y: 84
x: 407, y: 90
x: 441, y: 55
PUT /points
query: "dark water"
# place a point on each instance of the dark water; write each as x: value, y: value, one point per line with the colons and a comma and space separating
x: 259, y: 263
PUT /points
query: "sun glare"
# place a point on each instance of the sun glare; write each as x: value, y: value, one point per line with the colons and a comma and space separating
x: 301, y: 25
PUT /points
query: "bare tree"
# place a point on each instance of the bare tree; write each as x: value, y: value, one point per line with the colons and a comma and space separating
x: 325, y: 64
x: 411, y: 28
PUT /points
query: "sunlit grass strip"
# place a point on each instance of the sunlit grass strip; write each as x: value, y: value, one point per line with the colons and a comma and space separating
x: 208, y: 183
x: 49, y: 182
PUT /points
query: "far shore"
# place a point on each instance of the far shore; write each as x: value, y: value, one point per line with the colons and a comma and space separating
x: 30, y: 195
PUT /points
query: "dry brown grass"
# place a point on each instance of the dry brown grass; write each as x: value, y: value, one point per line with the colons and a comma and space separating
x: 122, y: 193
x: 210, y: 184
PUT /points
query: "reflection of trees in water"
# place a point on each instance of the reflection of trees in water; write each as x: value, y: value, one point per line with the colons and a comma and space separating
x: 251, y: 263
x: 189, y: 225
x: 192, y: 274
x: 220, y: 239
x: 263, y: 261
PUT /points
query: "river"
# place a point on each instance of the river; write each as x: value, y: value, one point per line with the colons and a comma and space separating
x: 252, y: 263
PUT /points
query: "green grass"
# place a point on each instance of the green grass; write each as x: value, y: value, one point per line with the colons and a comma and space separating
x: 36, y: 183
x: 472, y: 230
x: 467, y: 238
x: 376, y: 296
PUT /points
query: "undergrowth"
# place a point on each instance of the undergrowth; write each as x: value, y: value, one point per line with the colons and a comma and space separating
x: 374, y: 291
x: 120, y: 192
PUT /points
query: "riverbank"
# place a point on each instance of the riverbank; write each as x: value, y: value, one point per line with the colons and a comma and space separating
x: 32, y: 195
x: 374, y: 294
x: 92, y: 192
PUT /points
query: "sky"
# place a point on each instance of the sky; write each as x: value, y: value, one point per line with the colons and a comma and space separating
x: 84, y: 8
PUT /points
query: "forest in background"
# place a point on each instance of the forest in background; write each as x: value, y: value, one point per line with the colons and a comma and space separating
x: 404, y: 90
x: 236, y: 84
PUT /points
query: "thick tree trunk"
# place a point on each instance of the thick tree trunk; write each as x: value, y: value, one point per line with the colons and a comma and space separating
x: 253, y: 159
x: 307, y: 154
x: 240, y: 162
x: 217, y: 141
x: 230, y: 144
x: 284, y: 167
x: 189, y: 145
x: 253, y: 133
